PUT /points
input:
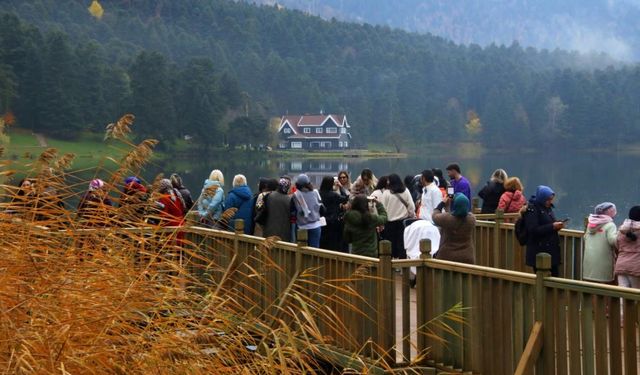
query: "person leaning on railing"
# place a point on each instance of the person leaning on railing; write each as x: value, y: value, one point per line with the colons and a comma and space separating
x: 457, y: 226
x: 542, y: 229
x: 600, y: 245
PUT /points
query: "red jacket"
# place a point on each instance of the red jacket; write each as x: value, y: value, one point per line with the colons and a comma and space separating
x: 511, y: 202
x: 172, y: 213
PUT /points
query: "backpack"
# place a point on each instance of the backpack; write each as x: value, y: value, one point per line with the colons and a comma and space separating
x: 521, y: 228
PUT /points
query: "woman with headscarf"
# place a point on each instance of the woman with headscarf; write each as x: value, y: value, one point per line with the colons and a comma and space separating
x: 133, y: 201
x: 457, y: 226
x: 542, y: 229
x: 492, y: 191
x: 170, y: 206
x: 210, y: 205
x: 278, y: 214
x: 600, y: 245
x: 627, y: 267
x: 95, y: 204
x: 176, y: 182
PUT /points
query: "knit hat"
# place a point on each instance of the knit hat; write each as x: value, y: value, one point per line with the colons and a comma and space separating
x: 634, y: 213
x: 606, y: 208
x: 461, y: 205
x: 96, y: 184
x: 543, y: 193
x: 302, y: 179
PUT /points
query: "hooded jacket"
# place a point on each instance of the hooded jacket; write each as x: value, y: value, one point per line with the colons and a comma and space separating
x: 600, y: 242
x: 363, y: 236
x: 539, y: 219
x: 457, y: 227
x: 211, y: 202
x: 240, y: 197
x: 628, y: 262
x: 512, y: 201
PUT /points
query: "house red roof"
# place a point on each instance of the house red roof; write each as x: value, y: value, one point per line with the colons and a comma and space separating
x: 298, y: 122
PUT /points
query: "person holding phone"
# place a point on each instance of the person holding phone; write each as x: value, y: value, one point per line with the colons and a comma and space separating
x: 542, y: 228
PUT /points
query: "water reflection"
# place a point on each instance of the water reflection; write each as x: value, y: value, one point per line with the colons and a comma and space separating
x: 581, y: 179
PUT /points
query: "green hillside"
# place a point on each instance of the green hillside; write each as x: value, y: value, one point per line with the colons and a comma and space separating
x: 193, y: 66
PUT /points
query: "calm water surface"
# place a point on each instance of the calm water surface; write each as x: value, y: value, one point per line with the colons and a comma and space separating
x: 580, y: 179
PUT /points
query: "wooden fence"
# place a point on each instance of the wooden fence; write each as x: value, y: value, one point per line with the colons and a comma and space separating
x: 497, y: 246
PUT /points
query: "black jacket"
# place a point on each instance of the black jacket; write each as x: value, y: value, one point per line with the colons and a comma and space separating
x: 490, y: 195
x: 542, y: 238
x: 332, y: 201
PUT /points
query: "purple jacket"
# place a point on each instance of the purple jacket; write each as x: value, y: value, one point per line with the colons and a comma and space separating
x: 462, y: 186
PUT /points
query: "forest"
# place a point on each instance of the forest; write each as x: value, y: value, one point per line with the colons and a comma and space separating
x: 217, y: 70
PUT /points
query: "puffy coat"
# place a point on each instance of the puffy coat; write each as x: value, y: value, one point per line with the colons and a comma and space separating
x: 240, y: 197
x: 363, y: 236
x: 512, y: 201
x: 211, y: 202
x: 628, y: 262
x: 599, y: 253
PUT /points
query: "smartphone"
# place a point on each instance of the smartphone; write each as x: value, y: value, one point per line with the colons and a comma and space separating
x: 565, y: 220
x: 450, y: 192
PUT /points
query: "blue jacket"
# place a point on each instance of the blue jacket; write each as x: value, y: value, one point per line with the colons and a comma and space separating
x: 240, y: 197
x: 210, y: 207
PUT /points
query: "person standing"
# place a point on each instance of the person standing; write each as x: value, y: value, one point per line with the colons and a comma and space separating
x: 176, y: 182
x: 240, y: 197
x: 627, y: 267
x: 492, y: 192
x: 345, y: 183
x: 308, y: 205
x: 365, y: 184
x: 278, y: 212
x: 512, y: 200
x: 399, y: 206
x: 170, y: 206
x: 210, y: 205
x: 360, y: 226
x: 600, y: 242
x: 430, y: 197
x: 334, y: 202
x: 457, y: 226
x: 95, y: 203
x: 458, y: 181
x: 542, y: 229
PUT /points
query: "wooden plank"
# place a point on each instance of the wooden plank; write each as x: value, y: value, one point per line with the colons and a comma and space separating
x: 467, y: 329
x: 487, y: 325
x: 586, y: 320
x: 531, y: 351
x: 406, y: 317
x: 630, y: 314
x: 507, y: 327
x: 548, y: 352
x: 615, y: 344
x: 518, y: 316
x: 497, y: 292
x: 560, y: 303
x: 600, y: 336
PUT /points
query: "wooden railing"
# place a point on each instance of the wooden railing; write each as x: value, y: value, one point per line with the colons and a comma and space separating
x: 497, y: 246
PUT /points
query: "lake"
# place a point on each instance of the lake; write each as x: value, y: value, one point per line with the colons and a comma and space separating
x: 580, y: 179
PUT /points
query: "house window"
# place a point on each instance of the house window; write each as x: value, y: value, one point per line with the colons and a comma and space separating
x: 343, y: 131
x: 296, y: 165
x: 318, y: 130
x: 340, y: 144
x: 307, y: 130
x: 282, y: 145
x: 346, y: 144
x: 296, y: 144
x: 287, y: 131
x: 332, y: 130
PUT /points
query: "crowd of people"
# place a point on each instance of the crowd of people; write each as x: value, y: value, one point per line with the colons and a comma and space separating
x: 353, y: 217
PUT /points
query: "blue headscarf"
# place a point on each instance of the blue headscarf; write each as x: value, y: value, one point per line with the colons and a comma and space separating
x: 543, y: 193
x: 461, y: 205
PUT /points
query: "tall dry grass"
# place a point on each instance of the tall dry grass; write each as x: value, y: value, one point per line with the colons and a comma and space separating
x: 110, y: 293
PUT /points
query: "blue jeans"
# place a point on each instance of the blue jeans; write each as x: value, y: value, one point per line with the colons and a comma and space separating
x: 313, y: 236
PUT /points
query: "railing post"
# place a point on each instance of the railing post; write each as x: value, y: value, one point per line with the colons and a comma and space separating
x: 475, y: 204
x: 543, y: 270
x: 301, y: 238
x: 239, y: 226
x: 497, y: 248
x: 386, y: 304
x: 424, y: 299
